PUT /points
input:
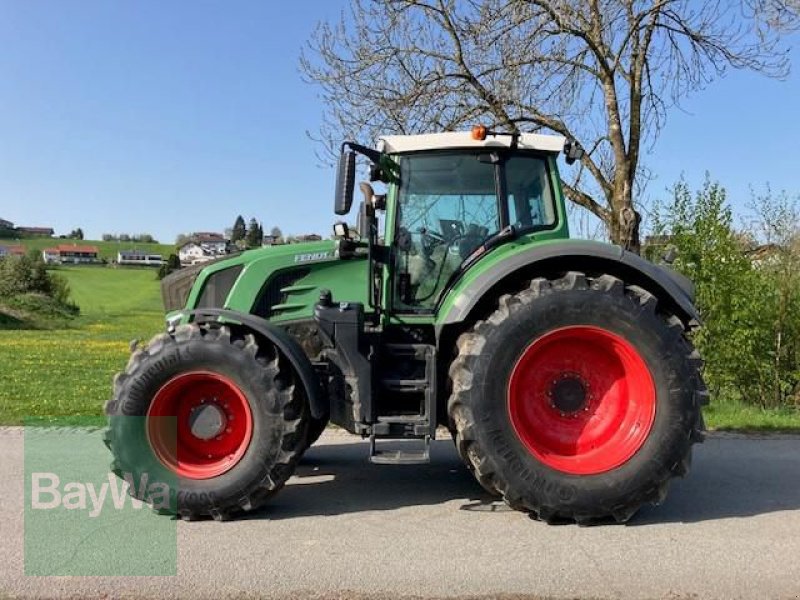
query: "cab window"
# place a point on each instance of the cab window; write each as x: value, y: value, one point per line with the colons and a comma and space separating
x: 447, y: 207
x: 530, y: 199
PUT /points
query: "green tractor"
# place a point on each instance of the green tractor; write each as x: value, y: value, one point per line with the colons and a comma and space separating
x: 562, y: 368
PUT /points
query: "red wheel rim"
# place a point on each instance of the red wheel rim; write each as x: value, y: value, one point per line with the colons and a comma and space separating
x: 206, y: 426
x: 582, y: 400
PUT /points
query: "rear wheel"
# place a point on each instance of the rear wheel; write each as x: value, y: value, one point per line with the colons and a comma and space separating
x: 577, y: 399
x: 217, y: 412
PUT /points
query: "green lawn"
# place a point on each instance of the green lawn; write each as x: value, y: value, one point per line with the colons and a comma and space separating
x: 108, y: 250
x: 736, y: 416
x: 68, y: 371
x: 113, y: 291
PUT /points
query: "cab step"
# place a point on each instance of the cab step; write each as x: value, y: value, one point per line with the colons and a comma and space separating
x: 400, y: 457
x: 409, y: 372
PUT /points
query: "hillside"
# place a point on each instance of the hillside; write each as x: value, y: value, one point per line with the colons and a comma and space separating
x: 68, y: 370
x: 108, y: 250
x: 101, y: 293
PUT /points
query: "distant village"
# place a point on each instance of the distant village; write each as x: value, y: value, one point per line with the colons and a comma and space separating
x: 195, y: 248
x: 203, y: 246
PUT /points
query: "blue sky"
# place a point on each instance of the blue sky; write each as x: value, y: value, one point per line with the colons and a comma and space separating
x: 169, y: 117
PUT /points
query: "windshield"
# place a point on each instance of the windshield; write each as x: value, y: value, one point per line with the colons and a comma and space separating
x: 448, y: 206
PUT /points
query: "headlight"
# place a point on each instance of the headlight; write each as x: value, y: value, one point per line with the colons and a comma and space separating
x: 217, y: 286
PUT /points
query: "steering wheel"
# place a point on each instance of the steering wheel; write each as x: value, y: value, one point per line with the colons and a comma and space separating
x: 429, y: 240
x: 467, y: 241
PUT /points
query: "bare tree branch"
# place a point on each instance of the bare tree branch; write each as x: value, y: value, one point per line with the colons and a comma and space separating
x: 604, y: 72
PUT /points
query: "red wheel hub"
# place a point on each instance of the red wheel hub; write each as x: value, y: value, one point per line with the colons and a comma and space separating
x: 199, y: 424
x: 582, y: 400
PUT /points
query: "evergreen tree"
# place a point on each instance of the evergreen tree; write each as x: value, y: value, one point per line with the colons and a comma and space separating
x: 239, y: 230
x: 173, y: 264
x: 254, y: 236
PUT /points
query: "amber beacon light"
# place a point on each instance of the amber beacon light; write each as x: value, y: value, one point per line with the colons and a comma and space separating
x: 479, y: 132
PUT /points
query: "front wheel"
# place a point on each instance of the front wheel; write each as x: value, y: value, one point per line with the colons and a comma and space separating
x: 577, y: 399
x: 213, y: 412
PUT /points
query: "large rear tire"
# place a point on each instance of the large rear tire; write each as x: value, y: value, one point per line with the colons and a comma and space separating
x: 217, y: 411
x: 578, y: 399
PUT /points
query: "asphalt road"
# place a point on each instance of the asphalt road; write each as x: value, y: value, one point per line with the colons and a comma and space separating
x: 346, y: 529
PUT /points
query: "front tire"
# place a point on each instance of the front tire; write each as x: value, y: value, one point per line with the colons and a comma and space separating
x: 217, y: 412
x: 577, y: 399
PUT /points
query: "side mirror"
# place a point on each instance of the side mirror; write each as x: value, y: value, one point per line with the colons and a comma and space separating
x: 345, y: 183
x: 573, y: 151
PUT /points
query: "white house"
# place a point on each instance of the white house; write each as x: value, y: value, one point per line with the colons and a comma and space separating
x: 192, y: 253
x: 71, y: 254
x: 215, y: 243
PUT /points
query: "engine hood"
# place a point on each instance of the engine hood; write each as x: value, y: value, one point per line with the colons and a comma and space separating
x: 279, y: 283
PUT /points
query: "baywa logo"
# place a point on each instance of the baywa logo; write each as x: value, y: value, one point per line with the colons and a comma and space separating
x: 83, y: 517
x: 48, y: 492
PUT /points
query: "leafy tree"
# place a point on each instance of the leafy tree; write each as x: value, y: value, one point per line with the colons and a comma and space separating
x: 277, y: 234
x: 76, y: 234
x: 22, y: 275
x: 750, y: 337
x: 777, y: 227
x: 603, y: 73
x: 239, y: 230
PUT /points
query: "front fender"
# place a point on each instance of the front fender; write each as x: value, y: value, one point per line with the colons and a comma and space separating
x: 576, y: 255
x: 285, y: 344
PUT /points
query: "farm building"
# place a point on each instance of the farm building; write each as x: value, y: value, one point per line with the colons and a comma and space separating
x: 66, y: 254
x: 271, y: 240
x: 11, y: 251
x: 6, y: 224
x: 137, y: 257
x: 35, y: 231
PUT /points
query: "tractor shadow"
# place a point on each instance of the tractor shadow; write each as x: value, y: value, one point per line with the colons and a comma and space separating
x: 335, y: 479
x: 730, y: 478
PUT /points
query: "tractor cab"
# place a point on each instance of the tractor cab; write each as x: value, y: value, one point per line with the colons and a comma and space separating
x: 451, y: 197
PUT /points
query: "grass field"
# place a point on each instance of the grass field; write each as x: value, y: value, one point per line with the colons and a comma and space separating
x: 65, y: 372
x: 68, y: 372
x: 108, y: 250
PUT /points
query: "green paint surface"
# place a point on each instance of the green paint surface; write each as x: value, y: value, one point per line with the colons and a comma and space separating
x: 78, y: 518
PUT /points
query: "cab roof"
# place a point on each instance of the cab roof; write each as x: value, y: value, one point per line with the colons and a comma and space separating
x: 399, y: 144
